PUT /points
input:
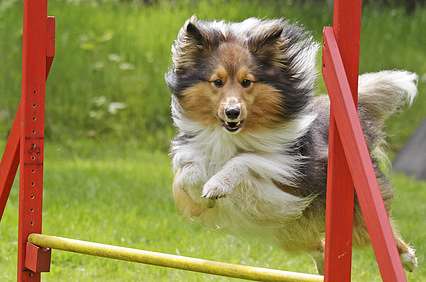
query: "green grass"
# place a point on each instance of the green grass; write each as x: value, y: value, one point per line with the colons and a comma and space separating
x: 121, y: 51
x: 97, y: 188
x: 110, y: 194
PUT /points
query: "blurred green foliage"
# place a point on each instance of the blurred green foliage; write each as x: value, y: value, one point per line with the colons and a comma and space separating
x: 107, y: 79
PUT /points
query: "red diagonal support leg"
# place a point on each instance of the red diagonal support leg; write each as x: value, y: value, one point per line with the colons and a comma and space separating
x: 9, y: 163
x: 50, y: 48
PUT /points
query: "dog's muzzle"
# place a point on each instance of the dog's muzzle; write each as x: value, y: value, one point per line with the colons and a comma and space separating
x: 232, y: 122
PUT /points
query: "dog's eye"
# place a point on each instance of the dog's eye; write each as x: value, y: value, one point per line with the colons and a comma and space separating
x: 246, y: 83
x: 218, y: 83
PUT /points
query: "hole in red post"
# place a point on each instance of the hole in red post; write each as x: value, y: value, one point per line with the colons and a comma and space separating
x: 34, y: 132
x: 34, y: 106
x: 34, y: 118
x: 33, y: 183
x: 33, y: 171
x: 31, y: 210
x: 32, y: 196
x: 31, y: 223
x: 33, y: 158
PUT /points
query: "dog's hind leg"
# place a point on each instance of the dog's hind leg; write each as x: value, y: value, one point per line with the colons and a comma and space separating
x: 406, y: 252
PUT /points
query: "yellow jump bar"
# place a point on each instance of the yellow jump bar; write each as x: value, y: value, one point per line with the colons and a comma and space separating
x: 168, y: 260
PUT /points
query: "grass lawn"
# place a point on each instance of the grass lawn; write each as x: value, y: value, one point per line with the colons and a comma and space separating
x: 121, y: 195
x: 116, y: 193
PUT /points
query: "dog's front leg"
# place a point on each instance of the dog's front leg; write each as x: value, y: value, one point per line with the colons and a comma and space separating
x: 186, y: 190
x: 188, y: 176
x: 225, y: 180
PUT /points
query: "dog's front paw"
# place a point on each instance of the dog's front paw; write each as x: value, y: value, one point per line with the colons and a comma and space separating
x: 215, y: 189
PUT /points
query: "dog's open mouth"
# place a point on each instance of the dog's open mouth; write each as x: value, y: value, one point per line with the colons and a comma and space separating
x: 232, y: 126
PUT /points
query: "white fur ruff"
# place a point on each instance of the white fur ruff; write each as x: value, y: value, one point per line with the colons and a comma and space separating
x: 212, y: 158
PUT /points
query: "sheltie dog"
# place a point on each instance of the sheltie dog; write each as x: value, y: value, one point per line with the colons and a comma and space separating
x: 251, y: 151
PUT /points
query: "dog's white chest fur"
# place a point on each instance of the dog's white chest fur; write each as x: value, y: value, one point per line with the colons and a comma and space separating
x: 246, y: 167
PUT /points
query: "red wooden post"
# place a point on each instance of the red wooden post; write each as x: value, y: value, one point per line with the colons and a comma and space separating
x: 34, y: 55
x: 340, y: 191
x: 26, y: 140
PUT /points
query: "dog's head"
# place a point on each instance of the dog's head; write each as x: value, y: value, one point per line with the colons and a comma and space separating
x: 242, y: 76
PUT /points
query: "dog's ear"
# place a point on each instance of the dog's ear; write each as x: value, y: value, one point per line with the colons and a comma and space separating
x: 193, y: 31
x: 265, y: 36
x: 195, y: 39
x: 267, y: 42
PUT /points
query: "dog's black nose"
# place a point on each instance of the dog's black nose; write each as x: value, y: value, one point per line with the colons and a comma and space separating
x: 232, y: 113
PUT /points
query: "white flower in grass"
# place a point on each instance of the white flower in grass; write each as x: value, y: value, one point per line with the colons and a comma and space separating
x: 114, y: 107
x: 98, y: 65
x: 126, y: 66
x: 114, y: 58
x: 99, y: 101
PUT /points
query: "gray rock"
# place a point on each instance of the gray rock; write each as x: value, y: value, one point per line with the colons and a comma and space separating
x: 412, y: 158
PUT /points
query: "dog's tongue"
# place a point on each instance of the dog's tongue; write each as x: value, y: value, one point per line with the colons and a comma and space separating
x: 232, y: 124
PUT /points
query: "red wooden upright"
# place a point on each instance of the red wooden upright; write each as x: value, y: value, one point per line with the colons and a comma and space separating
x: 34, y: 55
x: 26, y: 141
x: 340, y: 190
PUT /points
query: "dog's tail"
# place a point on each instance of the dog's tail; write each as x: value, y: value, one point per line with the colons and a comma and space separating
x: 382, y: 94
